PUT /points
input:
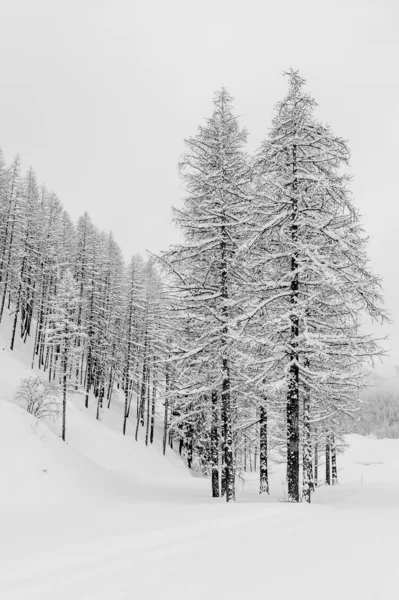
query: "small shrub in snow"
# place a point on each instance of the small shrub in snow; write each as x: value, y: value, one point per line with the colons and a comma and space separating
x: 39, y: 397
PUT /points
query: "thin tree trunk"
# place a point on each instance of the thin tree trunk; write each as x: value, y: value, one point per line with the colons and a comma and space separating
x: 227, y: 433
x: 8, y: 262
x: 255, y: 452
x: 147, y: 431
x: 64, y: 392
x: 88, y: 375
x: 166, y: 414
x: 316, y: 464
x: 100, y: 395
x: 307, y: 486
x: 153, y: 400
x: 223, y: 479
x: 34, y: 345
x: 140, y: 416
x: 328, y: 461
x: 126, y: 408
x: 334, y: 473
x: 189, y: 446
x: 263, y: 467
x: 215, y: 445
x: 110, y: 386
x: 17, y: 307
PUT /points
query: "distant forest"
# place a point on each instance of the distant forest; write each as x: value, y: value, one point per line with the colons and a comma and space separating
x: 379, y: 415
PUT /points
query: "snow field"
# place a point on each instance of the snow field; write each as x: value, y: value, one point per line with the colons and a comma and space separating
x: 104, y: 517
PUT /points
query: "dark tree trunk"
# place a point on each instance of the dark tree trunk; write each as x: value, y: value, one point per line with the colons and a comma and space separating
x: 307, y: 487
x: 226, y: 397
x: 90, y: 363
x: 49, y: 362
x: 223, y: 479
x: 8, y: 261
x: 110, y: 387
x: 153, y: 400
x: 64, y: 391
x: 100, y: 396
x: 316, y: 464
x: 8, y: 222
x: 215, y: 445
x: 17, y: 308
x: 334, y: 473
x: 127, y: 366
x: 227, y: 434
x: 147, y: 432
x: 126, y: 408
x: 189, y: 445
x: 293, y: 383
x: 40, y: 317
x: 166, y: 415
x: 143, y: 393
x: 256, y: 452
x: 263, y: 470
x: 88, y: 375
x: 328, y: 461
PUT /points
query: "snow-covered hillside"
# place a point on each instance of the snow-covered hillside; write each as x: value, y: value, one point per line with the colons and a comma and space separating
x: 104, y: 517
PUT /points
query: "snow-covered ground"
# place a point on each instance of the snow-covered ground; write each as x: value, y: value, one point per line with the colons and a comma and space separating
x: 104, y: 517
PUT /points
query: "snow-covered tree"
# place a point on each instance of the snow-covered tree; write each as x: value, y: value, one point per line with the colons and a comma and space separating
x: 313, y: 282
x: 63, y: 332
x: 216, y: 175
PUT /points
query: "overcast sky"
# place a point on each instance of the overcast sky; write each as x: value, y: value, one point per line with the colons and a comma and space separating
x: 98, y: 95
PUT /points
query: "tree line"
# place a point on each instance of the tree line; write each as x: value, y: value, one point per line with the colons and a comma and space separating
x: 247, y: 335
x: 94, y: 320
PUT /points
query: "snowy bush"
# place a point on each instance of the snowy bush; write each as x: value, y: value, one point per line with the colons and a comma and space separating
x: 39, y: 397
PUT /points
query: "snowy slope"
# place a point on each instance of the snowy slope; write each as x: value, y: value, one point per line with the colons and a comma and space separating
x: 104, y: 517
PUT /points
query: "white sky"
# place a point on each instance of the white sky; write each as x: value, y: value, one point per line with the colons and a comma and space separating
x: 98, y: 95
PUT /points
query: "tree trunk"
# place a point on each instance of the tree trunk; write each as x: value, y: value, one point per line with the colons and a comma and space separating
x: 293, y: 382
x: 263, y: 470
x: 215, y: 445
x: 223, y: 479
x: 316, y: 464
x: 8, y: 261
x: 126, y: 408
x: 153, y: 400
x: 147, y: 432
x: 189, y: 446
x: 328, y: 465
x: 64, y: 392
x: 17, y: 307
x: 88, y: 375
x: 166, y: 415
x: 226, y: 398
x: 110, y: 387
x: 307, y: 486
x: 227, y: 434
x: 141, y: 408
x: 334, y: 473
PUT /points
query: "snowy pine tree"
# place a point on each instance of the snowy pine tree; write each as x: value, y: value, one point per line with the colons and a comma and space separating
x: 63, y: 332
x: 308, y: 244
x: 215, y: 172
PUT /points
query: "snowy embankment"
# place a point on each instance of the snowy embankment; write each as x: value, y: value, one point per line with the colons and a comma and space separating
x: 105, y: 517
